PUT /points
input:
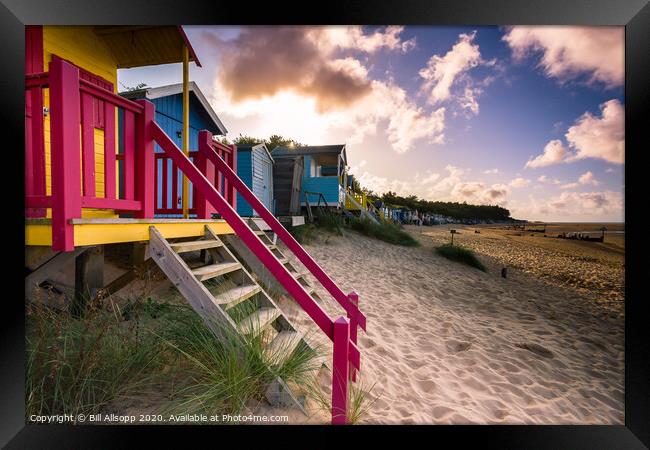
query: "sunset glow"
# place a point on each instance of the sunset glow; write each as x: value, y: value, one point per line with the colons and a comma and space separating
x: 529, y: 118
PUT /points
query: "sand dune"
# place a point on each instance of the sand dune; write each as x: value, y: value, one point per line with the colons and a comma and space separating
x: 449, y: 344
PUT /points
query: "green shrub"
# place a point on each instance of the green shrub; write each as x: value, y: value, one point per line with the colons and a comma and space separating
x: 387, y: 232
x: 461, y: 255
x: 328, y: 220
x: 303, y: 233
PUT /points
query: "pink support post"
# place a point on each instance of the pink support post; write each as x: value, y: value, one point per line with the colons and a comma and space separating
x: 233, y: 193
x: 66, y: 165
x: 165, y: 176
x: 88, y: 145
x: 145, y: 161
x: 204, y: 209
x: 109, y: 151
x: 340, y: 371
x: 129, y: 155
x: 354, y: 299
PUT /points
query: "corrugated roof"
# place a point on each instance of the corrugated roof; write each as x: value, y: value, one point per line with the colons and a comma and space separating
x: 310, y: 150
x: 175, y: 89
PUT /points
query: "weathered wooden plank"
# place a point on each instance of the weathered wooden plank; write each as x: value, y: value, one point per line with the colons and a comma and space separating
x: 190, y: 288
x: 215, y: 270
x: 192, y: 246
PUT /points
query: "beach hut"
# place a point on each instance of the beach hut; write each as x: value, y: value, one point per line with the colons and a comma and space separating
x: 325, y: 172
x: 168, y: 102
x: 287, y: 184
x: 255, y: 168
x: 77, y: 153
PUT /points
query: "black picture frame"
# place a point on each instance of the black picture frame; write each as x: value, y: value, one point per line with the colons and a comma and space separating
x: 633, y: 14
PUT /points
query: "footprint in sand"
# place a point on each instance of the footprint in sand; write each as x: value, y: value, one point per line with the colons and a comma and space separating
x: 537, y: 349
x: 426, y: 385
x: 454, y: 346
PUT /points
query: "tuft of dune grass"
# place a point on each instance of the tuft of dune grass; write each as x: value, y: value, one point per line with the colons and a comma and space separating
x: 461, y: 255
x: 386, y: 232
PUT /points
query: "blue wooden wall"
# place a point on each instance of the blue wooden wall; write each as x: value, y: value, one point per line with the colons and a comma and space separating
x: 169, y: 115
x: 328, y: 186
x: 249, y: 162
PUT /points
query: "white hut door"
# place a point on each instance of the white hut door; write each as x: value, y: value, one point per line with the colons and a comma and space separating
x: 267, y: 172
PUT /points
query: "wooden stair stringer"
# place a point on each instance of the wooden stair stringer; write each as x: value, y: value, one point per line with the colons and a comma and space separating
x: 292, y: 266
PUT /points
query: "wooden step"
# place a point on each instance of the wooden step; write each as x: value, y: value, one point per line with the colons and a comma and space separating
x: 256, y: 322
x: 282, y: 346
x: 190, y: 246
x: 214, y: 270
x: 236, y: 295
x: 299, y: 275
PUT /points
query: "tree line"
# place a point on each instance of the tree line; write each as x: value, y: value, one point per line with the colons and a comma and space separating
x: 451, y: 209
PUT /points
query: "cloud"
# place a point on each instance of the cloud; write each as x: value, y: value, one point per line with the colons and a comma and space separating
x: 354, y: 38
x: 554, y: 152
x: 297, y: 63
x: 599, y: 137
x: 315, y: 77
x: 609, y: 170
x: 544, y: 179
x: 570, y: 52
x: 450, y: 187
x: 491, y: 171
x: 443, y: 72
x: 586, y: 203
x: 572, y: 206
x: 586, y: 178
x: 519, y: 182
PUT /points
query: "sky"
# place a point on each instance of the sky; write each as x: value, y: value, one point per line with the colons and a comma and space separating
x: 530, y: 118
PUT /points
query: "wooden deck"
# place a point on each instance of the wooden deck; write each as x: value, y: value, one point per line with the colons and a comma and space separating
x: 112, y: 231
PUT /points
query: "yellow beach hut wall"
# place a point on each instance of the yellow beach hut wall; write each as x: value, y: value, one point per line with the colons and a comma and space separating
x: 82, y: 47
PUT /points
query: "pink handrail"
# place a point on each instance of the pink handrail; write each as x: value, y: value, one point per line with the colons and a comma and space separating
x: 254, y: 243
x: 350, y: 307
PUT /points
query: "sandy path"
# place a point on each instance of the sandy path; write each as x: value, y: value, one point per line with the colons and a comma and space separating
x: 450, y: 344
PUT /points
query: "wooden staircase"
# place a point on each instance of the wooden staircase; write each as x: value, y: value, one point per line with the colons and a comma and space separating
x: 298, y: 272
x: 214, y: 282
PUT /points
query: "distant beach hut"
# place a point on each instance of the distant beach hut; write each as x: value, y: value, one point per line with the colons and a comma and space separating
x: 255, y: 168
x: 325, y: 171
x: 168, y: 101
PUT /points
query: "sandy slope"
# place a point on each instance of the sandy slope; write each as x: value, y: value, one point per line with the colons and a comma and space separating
x: 450, y: 344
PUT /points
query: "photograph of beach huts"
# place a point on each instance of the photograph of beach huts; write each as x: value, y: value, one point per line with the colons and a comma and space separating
x: 324, y: 224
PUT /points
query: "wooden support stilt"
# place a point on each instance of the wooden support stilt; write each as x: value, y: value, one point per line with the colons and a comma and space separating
x: 88, y: 279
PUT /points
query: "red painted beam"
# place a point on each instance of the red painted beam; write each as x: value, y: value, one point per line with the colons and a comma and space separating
x: 145, y: 185
x: 66, y: 164
x: 87, y: 145
x: 340, y: 371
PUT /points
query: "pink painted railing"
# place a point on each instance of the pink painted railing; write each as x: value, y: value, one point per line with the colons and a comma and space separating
x: 73, y: 111
x: 72, y: 151
x: 168, y: 181
x: 346, y: 354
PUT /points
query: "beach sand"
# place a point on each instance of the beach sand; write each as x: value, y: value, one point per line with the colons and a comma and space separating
x: 449, y: 344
